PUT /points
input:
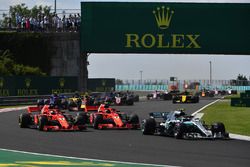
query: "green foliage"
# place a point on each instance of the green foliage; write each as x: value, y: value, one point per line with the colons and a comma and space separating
x: 29, y: 49
x: 119, y: 82
x: 236, y: 119
x: 241, y: 78
x: 8, y: 67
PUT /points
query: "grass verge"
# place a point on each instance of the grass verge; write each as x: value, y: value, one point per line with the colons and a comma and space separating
x: 236, y: 119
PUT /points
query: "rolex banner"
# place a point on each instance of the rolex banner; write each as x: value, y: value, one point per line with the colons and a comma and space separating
x: 36, y: 85
x: 183, y: 28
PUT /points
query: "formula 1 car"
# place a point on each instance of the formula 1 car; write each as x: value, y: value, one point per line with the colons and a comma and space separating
x: 185, y: 98
x: 74, y: 103
x: 124, y: 100
x: 51, y: 119
x: 162, y: 95
x: 60, y: 101
x: 107, y: 117
x: 181, y: 126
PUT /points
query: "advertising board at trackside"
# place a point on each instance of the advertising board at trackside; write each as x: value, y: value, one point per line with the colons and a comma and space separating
x: 153, y: 27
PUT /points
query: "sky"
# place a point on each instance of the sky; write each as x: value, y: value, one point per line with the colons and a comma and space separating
x: 154, y: 66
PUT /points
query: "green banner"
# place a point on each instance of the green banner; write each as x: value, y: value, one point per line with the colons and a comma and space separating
x: 188, y: 28
x: 34, y: 85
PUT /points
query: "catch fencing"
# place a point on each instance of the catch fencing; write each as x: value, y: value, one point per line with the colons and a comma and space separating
x: 163, y: 85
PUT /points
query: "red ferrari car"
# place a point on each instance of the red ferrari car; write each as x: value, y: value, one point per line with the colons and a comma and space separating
x: 49, y: 118
x: 107, y: 117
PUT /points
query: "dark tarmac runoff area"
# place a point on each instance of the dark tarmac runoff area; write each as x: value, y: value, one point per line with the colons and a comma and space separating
x: 128, y: 145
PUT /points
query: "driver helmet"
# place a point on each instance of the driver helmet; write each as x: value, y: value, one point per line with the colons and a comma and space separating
x: 108, y: 111
x: 51, y: 106
x: 52, y: 112
x: 179, y: 113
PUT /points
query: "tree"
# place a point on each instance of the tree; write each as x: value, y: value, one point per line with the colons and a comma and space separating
x: 119, y: 82
x: 8, y: 67
x: 242, y: 80
x: 23, y: 11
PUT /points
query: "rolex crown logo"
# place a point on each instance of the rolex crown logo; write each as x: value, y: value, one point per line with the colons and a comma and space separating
x: 61, y: 82
x: 103, y: 82
x: 27, y: 82
x: 163, y: 17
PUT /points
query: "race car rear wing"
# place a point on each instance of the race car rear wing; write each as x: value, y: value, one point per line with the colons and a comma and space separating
x: 34, y: 109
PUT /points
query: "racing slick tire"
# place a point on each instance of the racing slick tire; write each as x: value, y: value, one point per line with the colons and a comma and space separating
x: 134, y: 120
x: 24, y: 120
x: 130, y: 102
x: 136, y: 98
x: 98, y: 119
x: 81, y: 120
x: 148, y: 126
x: 43, y: 121
x: 219, y: 127
x: 174, y: 100
x: 179, y: 131
x: 196, y: 99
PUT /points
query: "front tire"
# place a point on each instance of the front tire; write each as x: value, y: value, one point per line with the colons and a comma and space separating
x: 219, y: 127
x: 179, y: 131
x: 98, y: 120
x: 134, y: 120
x: 24, y: 120
x: 81, y: 119
x: 148, y: 126
x: 43, y: 121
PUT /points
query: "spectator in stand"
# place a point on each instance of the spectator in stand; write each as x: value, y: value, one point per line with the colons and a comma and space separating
x: 23, y: 23
x: 46, y: 23
x: 27, y: 24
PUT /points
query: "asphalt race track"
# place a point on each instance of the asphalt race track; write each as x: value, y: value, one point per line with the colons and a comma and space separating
x: 127, y: 145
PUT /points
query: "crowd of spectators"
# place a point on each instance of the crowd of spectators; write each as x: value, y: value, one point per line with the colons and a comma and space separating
x: 47, y: 23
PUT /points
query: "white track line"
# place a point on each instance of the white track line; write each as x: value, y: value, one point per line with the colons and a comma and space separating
x: 12, y: 109
x: 204, y: 107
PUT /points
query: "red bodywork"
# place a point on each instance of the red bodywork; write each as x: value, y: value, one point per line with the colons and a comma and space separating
x: 53, y: 115
x: 112, y: 119
x: 91, y: 108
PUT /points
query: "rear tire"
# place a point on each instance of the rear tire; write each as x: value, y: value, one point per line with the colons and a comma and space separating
x: 148, y: 126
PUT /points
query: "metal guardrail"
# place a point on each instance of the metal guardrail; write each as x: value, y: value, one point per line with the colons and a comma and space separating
x: 23, y: 100
x: 20, y: 100
x: 31, y: 100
